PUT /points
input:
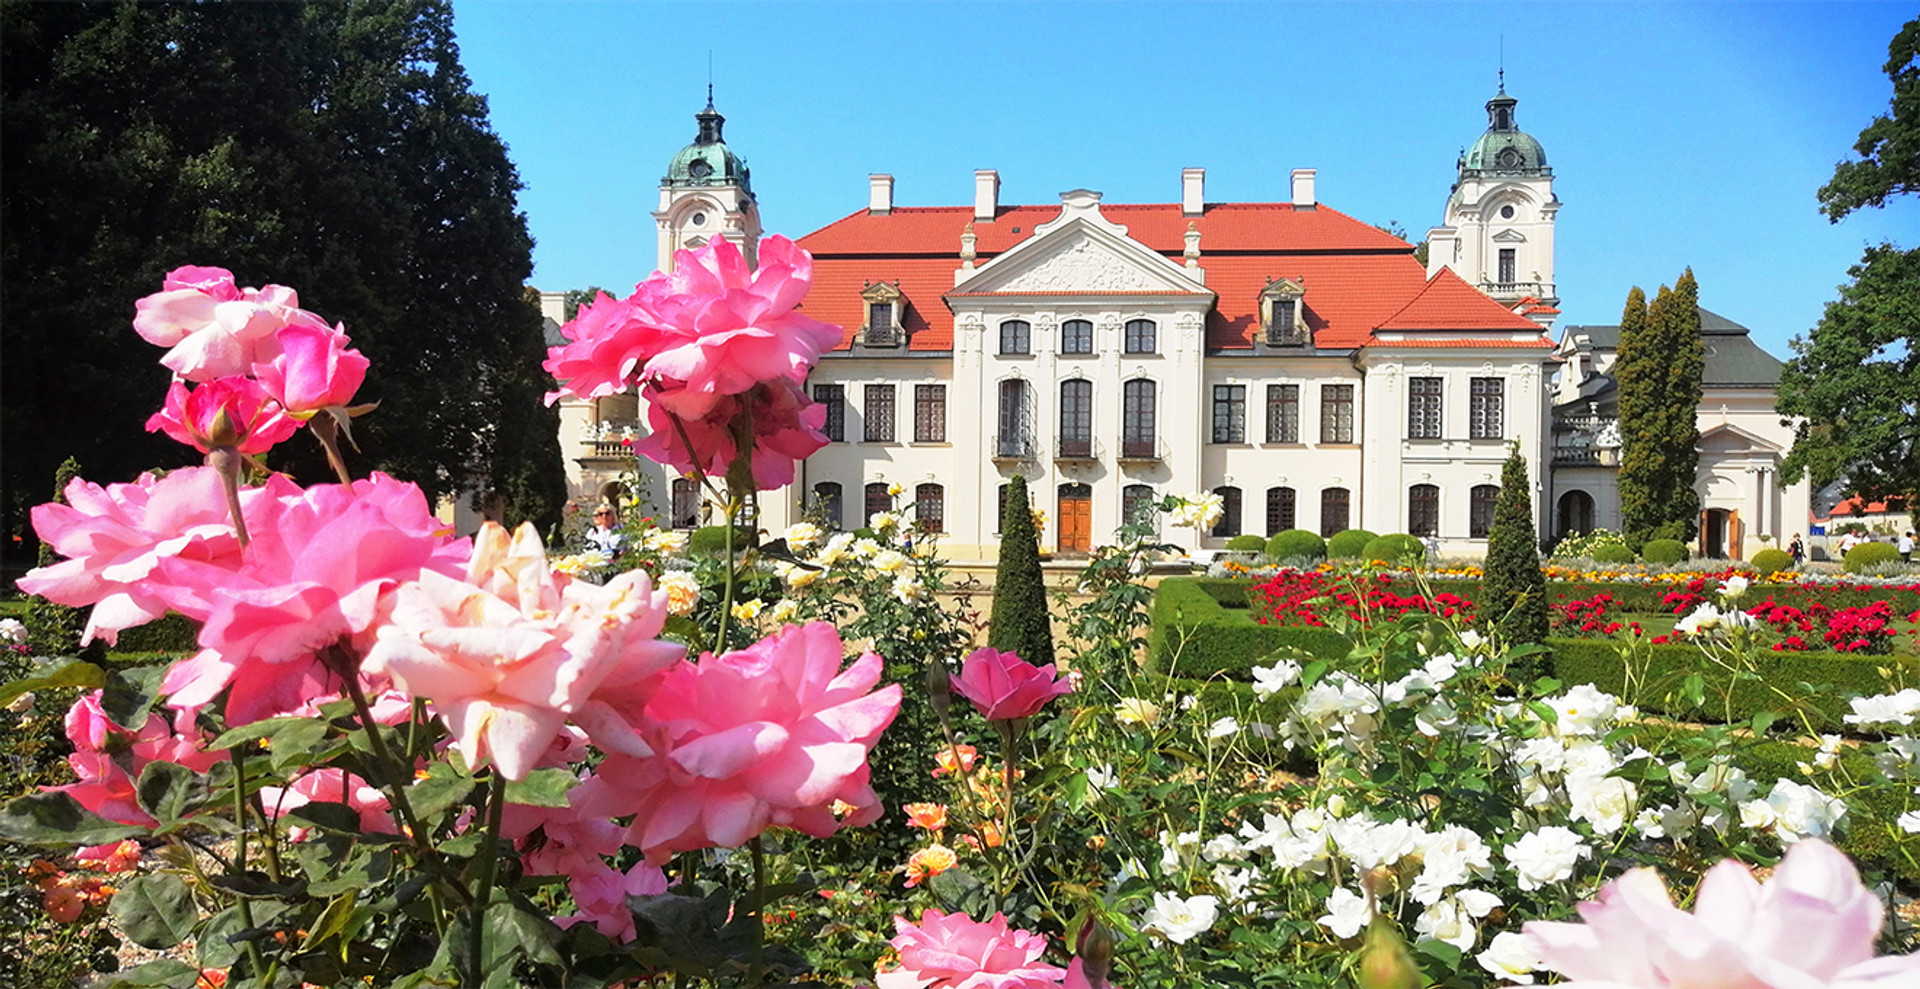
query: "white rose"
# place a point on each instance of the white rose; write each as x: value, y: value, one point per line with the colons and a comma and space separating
x: 1510, y: 956
x: 1604, y: 803
x: 1180, y: 920
x: 1546, y: 856
x: 1270, y: 680
x: 802, y: 536
x: 1347, y: 913
x: 1445, y: 921
x: 1223, y: 728
x: 11, y: 630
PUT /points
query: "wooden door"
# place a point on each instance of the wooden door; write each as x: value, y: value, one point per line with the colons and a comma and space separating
x: 1076, y: 518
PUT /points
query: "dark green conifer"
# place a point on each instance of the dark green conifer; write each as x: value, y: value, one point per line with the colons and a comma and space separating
x: 1020, y: 622
x: 1514, y: 596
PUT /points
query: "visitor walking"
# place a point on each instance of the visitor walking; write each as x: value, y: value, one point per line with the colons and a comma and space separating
x: 1797, y: 550
x: 1905, y: 546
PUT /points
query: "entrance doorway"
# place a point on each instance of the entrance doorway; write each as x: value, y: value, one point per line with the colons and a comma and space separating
x: 1720, y: 534
x: 1076, y: 518
x: 1576, y: 513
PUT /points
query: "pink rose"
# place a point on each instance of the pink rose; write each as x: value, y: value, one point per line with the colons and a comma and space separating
x: 229, y: 412
x: 314, y: 370
x: 954, y: 951
x: 770, y: 735
x: 214, y: 328
x: 1811, y: 924
x: 108, y: 758
x: 609, y: 340
x: 601, y: 894
x: 508, y: 655
x: 562, y: 841
x: 115, y: 538
x: 1005, y: 687
x: 332, y: 786
x: 787, y: 426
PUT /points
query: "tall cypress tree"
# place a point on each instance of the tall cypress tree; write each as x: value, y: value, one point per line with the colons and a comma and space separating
x: 1658, y: 373
x: 1637, y: 377
x: 1514, y: 591
x: 1020, y: 622
x: 1685, y: 366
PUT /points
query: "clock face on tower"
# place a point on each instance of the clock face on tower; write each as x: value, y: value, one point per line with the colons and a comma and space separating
x: 700, y: 169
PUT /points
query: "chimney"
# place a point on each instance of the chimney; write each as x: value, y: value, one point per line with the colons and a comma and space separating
x: 1303, y: 187
x: 879, y: 194
x: 986, y: 194
x: 1193, y: 200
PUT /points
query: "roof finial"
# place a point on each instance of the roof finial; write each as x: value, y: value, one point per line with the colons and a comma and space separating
x: 709, y: 78
x: 1503, y: 65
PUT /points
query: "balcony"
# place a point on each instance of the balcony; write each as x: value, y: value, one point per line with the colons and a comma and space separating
x: 610, y: 438
x: 1514, y: 290
x: 1142, y: 451
x: 1077, y: 449
x: 1013, y: 447
x: 881, y: 337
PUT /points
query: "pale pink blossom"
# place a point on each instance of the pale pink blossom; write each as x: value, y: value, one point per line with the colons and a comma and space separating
x: 769, y: 735
x: 1005, y: 687
x: 314, y: 370
x: 954, y: 951
x: 108, y: 757
x: 786, y: 427
x: 233, y: 412
x: 562, y: 841
x: 1812, y: 925
x: 115, y: 538
x: 320, y: 570
x: 509, y: 654
x: 609, y: 340
x: 600, y: 894
x: 214, y: 328
x: 333, y: 786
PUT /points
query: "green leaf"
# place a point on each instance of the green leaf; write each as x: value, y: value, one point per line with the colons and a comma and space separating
x: 128, y: 695
x: 443, y: 787
x: 1763, y: 721
x: 54, y: 818
x: 293, y: 744
x: 247, y: 733
x: 61, y: 673
x: 167, y: 790
x: 161, y: 973
x: 337, y: 818
x: 332, y: 921
x: 541, y: 788
x: 515, y: 927
x: 155, y: 911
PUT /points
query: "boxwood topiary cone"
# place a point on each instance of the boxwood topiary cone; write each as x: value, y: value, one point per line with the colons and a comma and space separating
x: 1515, y: 590
x: 1020, y: 622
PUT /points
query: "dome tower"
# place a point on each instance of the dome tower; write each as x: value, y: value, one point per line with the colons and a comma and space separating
x: 707, y: 193
x: 1498, y: 230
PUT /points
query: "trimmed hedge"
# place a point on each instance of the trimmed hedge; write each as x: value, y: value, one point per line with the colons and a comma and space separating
x: 1664, y: 551
x: 1614, y: 553
x: 1296, y: 543
x: 711, y: 540
x: 1771, y: 561
x: 1395, y: 548
x: 1348, y: 544
x: 1866, y: 556
x: 1246, y: 542
x: 1195, y: 636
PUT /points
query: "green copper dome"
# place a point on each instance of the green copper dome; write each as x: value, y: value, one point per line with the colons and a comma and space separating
x: 1505, y: 149
x: 708, y: 160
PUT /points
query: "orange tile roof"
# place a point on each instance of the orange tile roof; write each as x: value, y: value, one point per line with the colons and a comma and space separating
x: 1356, y: 277
x: 1449, y: 303
x: 1477, y: 343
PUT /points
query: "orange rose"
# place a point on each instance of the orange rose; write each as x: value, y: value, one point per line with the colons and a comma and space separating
x: 932, y: 817
x: 929, y: 862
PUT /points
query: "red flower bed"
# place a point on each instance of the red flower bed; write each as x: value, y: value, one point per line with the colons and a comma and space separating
x: 1863, y: 630
x: 1296, y: 598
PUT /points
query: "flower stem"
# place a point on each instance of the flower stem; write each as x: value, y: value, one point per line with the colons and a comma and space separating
x: 489, y: 858
x: 758, y: 969
x: 327, y: 431
x: 239, y: 865
x: 226, y: 460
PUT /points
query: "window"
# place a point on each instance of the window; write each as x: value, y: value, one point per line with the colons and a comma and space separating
x: 1076, y: 337
x: 826, y: 497
x: 1283, y: 318
x: 930, y: 507
x: 1423, y: 510
x: 1506, y: 266
x: 1016, y: 337
x: 1280, y: 308
x: 1012, y: 441
x: 929, y: 413
x: 686, y: 503
x: 1229, y: 524
x: 879, y: 324
x: 1137, y: 419
x: 1076, y: 418
x: 878, y: 500
x: 1283, y: 414
x: 1229, y: 413
x: 1280, y: 510
x: 1333, y: 511
x: 1486, y: 416
x: 1480, y: 510
x: 1136, y: 504
x: 1000, y: 510
x: 1423, y: 408
x: 879, y: 423
x: 834, y: 397
x: 1336, y: 416
x: 1140, y: 336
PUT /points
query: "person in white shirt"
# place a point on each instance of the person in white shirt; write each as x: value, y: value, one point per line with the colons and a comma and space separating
x: 1905, y: 545
x: 605, y: 536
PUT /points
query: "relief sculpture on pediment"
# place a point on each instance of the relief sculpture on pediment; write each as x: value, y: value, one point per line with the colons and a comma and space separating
x: 1082, y: 266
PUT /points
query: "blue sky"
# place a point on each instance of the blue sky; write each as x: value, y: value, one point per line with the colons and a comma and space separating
x: 1680, y: 134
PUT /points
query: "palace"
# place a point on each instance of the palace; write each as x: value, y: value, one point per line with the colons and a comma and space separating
x: 1302, y: 364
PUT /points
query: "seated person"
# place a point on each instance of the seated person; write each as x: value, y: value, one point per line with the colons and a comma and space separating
x: 605, y: 536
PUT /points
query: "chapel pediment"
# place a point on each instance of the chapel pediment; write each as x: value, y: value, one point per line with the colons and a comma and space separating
x: 1080, y: 253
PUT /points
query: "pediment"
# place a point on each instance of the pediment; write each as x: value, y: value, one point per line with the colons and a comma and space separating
x: 1510, y: 237
x: 1080, y: 254
x: 1726, y: 439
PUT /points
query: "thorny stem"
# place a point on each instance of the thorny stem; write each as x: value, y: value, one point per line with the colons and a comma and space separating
x: 327, y: 431
x: 226, y: 460
x: 496, y: 807
x: 238, y: 868
x: 757, y: 971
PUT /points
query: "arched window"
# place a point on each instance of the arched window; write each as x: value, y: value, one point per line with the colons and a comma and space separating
x: 1076, y: 418
x: 826, y: 498
x: 878, y: 500
x: 1137, y: 427
x: 1229, y: 524
x: 1423, y: 510
x: 1016, y: 337
x: 1076, y: 336
x: 1480, y: 509
x: 1136, y: 503
x: 1141, y: 335
x: 1016, y: 420
x: 930, y: 507
x: 1280, y: 510
x: 686, y: 503
x: 1576, y: 513
x: 1333, y: 511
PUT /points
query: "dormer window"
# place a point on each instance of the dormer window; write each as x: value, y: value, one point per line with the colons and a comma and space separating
x: 1282, y: 320
x: 886, y: 316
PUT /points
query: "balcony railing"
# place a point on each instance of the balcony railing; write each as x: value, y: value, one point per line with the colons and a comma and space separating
x: 611, y: 438
x: 1539, y: 290
x: 1586, y: 456
x: 1140, y: 451
x: 1078, y: 448
x: 882, y: 336
x: 1013, y: 446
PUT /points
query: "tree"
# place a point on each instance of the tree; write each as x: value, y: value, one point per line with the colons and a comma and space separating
x: 335, y: 148
x: 1020, y: 622
x: 1854, y: 381
x: 1514, y: 592
x: 1661, y: 359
